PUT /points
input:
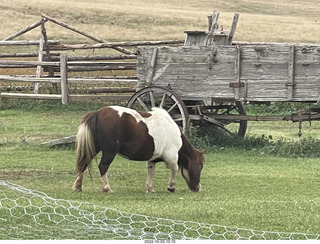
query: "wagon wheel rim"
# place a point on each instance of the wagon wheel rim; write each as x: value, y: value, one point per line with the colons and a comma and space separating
x: 236, y: 108
x: 161, y: 97
x: 230, y: 109
x: 242, y: 123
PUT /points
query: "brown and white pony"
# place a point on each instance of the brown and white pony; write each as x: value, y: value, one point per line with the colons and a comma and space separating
x: 141, y: 136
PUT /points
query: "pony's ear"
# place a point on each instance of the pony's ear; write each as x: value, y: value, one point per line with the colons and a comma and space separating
x: 202, y: 151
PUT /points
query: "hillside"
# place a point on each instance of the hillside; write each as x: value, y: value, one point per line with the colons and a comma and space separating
x: 265, y: 20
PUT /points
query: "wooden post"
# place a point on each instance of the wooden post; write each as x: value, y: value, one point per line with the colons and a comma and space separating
x: 233, y: 28
x: 237, y: 73
x: 209, y: 21
x: 46, y: 46
x: 64, y: 78
x: 150, y: 74
x: 290, y: 84
x: 40, y: 56
x: 213, y: 27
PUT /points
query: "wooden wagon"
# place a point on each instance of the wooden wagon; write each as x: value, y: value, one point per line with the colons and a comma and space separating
x: 211, y: 78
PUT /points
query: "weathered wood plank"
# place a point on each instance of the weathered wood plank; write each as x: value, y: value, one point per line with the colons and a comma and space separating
x: 27, y: 63
x: 266, y: 89
x: 264, y: 62
x: 89, y: 81
x: 28, y: 28
x: 233, y: 28
x: 64, y: 47
x: 94, y: 81
x: 40, y: 56
x: 120, y: 49
x: 293, y: 117
x: 29, y: 79
x: 99, y: 68
x: 91, y: 57
x: 64, y: 78
x: 99, y: 98
x: 64, y: 140
x: 267, y: 72
x: 112, y: 90
x: 26, y: 43
x: 30, y: 96
x: 18, y: 55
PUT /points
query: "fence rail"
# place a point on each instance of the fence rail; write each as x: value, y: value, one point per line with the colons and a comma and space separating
x: 53, y: 58
x: 64, y: 67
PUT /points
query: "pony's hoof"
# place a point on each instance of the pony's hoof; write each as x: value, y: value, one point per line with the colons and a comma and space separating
x: 171, y: 189
x: 151, y: 191
x: 77, y: 189
x: 107, y: 191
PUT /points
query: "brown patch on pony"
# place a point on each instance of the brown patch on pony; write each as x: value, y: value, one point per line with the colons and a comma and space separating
x: 129, y: 138
x: 145, y: 114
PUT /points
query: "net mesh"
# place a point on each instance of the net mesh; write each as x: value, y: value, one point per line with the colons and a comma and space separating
x: 30, y: 214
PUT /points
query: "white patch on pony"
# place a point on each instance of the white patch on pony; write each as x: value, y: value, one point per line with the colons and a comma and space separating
x: 132, y: 112
x: 185, y: 174
x: 166, y: 135
x: 164, y: 131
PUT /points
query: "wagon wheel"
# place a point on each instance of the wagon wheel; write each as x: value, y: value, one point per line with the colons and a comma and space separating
x: 218, y: 114
x: 161, y: 97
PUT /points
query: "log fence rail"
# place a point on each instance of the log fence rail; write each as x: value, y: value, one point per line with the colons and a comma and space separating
x: 53, y: 58
x: 64, y: 67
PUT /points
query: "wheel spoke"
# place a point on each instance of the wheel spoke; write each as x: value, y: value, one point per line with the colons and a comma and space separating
x: 161, y: 97
x: 142, y: 104
x: 178, y: 119
x: 162, y: 100
x: 172, y: 107
x: 153, y: 104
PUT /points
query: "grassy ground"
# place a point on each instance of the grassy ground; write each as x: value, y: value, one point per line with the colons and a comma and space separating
x: 253, y: 188
x: 241, y: 188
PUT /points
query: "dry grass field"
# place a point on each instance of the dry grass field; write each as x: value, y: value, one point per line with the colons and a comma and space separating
x: 260, y: 20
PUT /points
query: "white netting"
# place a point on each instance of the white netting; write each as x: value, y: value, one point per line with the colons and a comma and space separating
x: 29, y: 214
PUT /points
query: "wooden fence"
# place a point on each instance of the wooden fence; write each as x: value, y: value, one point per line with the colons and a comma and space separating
x: 65, y: 66
x: 115, y: 85
x: 52, y: 58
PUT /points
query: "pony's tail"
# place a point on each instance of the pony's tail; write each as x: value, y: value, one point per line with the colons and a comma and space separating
x: 85, y: 140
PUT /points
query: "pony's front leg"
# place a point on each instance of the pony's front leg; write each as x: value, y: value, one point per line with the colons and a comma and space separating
x: 150, y: 173
x: 77, y: 185
x: 172, y: 181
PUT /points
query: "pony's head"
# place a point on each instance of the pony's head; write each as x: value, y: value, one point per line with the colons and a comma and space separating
x: 191, y: 164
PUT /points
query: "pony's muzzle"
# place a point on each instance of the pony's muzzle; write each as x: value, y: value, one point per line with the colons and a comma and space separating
x: 197, y: 189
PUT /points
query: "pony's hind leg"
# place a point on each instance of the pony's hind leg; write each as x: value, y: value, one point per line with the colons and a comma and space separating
x: 150, y: 173
x: 104, y: 164
x: 77, y: 185
x: 105, y: 186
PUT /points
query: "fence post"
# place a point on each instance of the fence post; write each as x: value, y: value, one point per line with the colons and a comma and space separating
x: 64, y: 78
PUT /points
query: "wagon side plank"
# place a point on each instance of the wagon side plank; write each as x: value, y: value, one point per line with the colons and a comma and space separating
x: 246, y: 72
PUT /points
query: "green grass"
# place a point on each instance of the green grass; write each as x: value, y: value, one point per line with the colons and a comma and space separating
x: 247, y: 187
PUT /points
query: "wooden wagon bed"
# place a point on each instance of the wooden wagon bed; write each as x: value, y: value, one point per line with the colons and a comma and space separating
x: 256, y: 73
x: 211, y: 78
